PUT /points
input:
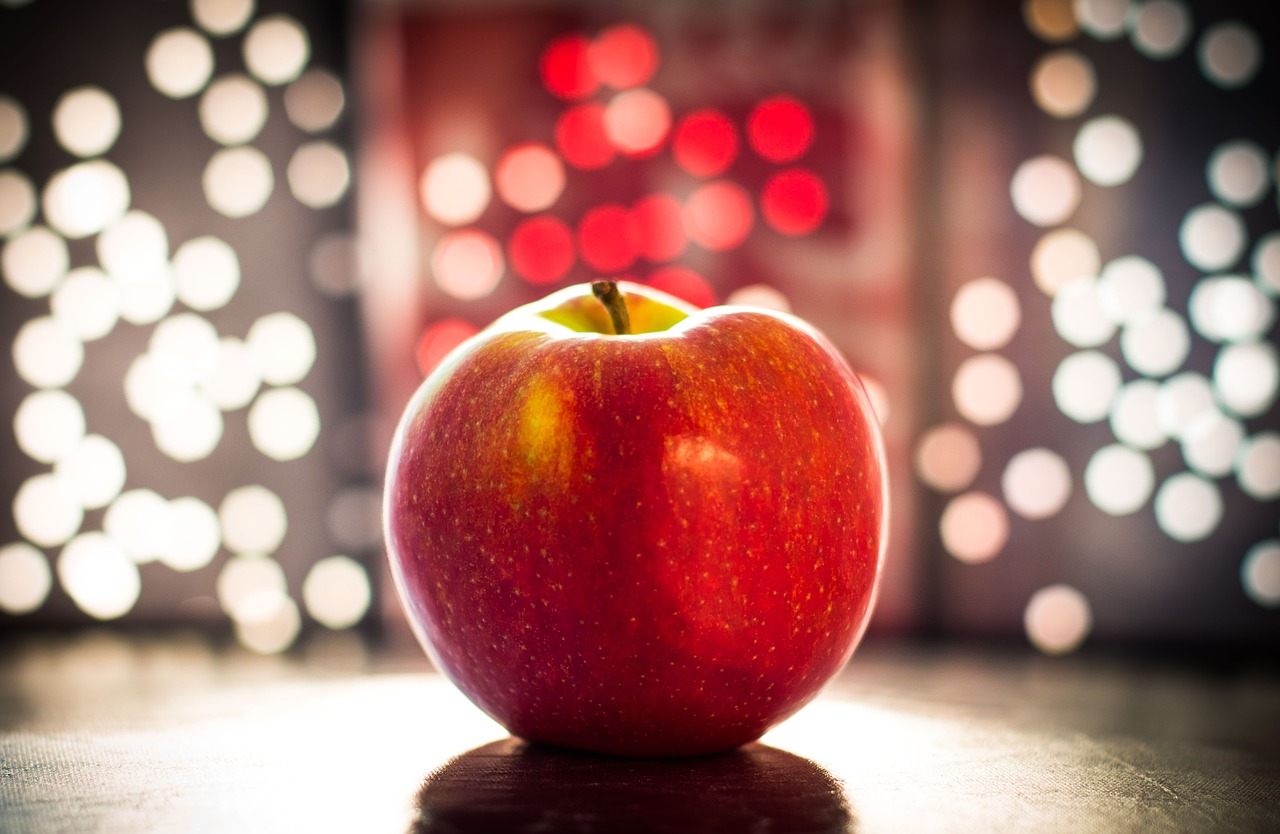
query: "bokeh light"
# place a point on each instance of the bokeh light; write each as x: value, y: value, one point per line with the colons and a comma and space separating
x: 233, y: 381
x: 1051, y: 20
x: 86, y: 198
x: 760, y: 295
x: 1057, y: 619
x: 34, y: 261
x: 1258, y: 466
x: 1160, y: 29
x: 336, y: 592
x: 1266, y: 264
x: 684, y: 284
x: 1036, y: 483
x: 1084, y: 385
x: 318, y: 174
x: 190, y: 432
x: 48, y: 424
x: 607, y: 238
x: 985, y: 313
x: 974, y: 527
x: 315, y: 101
x: 1229, y: 54
x: 1245, y: 377
x: 1063, y: 83
x: 794, y: 201
x: 987, y: 389
x: 17, y: 201
x: 1135, y: 418
x: 253, y: 520
x: 1230, y: 308
x: 705, y: 143
x: 623, y: 56
x: 86, y: 121
x: 564, y: 67
x: 270, y: 629
x: 187, y: 340
x: 179, y: 62
x: 438, y: 340
x: 147, y: 299
x: 141, y: 522
x: 1130, y: 286
x: 455, y: 189
x: 134, y: 248
x: 94, y: 469
x: 780, y: 129
x: 251, y: 587
x: 46, y: 354
x: 1078, y: 315
x: 718, y: 215
x: 25, y: 578
x: 1180, y: 400
x: 196, y: 535
x: 1237, y: 173
x: 1260, y: 573
x: 284, y: 423
x: 1101, y: 19
x: 46, y: 511
x: 1118, y: 479
x: 222, y: 17
x: 1045, y: 190
x: 284, y: 347
x: 637, y: 122
x: 467, y: 264
x: 540, y: 249
x: 581, y: 137
x: 14, y: 127
x: 948, y: 457
x: 659, y: 227
x: 237, y: 182
x: 1188, y: 507
x: 529, y: 177
x: 1108, y: 150
x: 276, y: 49
x: 233, y: 109
x: 1155, y: 342
x: 206, y: 273
x: 98, y: 576
x: 1061, y: 256
x: 1210, y: 443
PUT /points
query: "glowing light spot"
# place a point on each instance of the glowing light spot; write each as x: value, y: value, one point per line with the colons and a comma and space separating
x: 86, y: 198
x: 759, y: 295
x: 206, y: 273
x: 318, y: 174
x: 705, y: 143
x: 46, y: 511
x: 1180, y: 400
x: 974, y: 527
x: 1063, y: 83
x: 1084, y: 385
x: 1119, y: 480
x: 46, y: 353
x: 99, y: 577
x: 253, y: 520
x: 794, y: 201
x: 1129, y: 287
x: 1229, y: 54
x: 467, y: 264
x: 270, y: 633
x: 637, y: 122
x: 1230, y: 308
x: 683, y: 283
x: 1260, y: 573
x: 179, y: 62
x: 148, y: 299
x: 948, y: 457
x: 48, y: 424
x: 1078, y: 314
x: 1245, y: 377
x: 1266, y: 264
x: 718, y: 215
x: 439, y: 340
x: 1135, y: 418
x: 235, y: 376
x: 1057, y: 619
x: 658, y: 227
x: 1045, y: 190
x: 336, y: 592
x: 580, y: 135
x: 607, y: 238
x: 284, y: 423
x: 529, y: 177
x: 1102, y: 19
x: 86, y: 121
x: 985, y: 314
x: 93, y: 469
x: 1036, y: 483
x: 541, y: 250
x: 565, y: 70
x: 1061, y: 256
x: 1258, y: 466
x: 987, y: 389
x: 134, y: 248
x: 142, y: 524
x: 14, y: 128
x: 250, y: 587
x: 455, y: 189
x: 233, y: 109
x: 623, y: 56
x: 1051, y: 20
x: 34, y: 262
x: 189, y: 341
x: 1160, y: 28
x: 1108, y: 150
x: 1237, y: 173
x: 196, y: 535
x: 1188, y: 507
x: 17, y: 202
x: 1210, y: 443
x: 238, y: 181
x: 780, y: 129
x: 315, y: 101
x: 222, y: 17
x: 1155, y: 342
x: 276, y: 49
x: 25, y: 578
x: 284, y: 347
x: 191, y: 432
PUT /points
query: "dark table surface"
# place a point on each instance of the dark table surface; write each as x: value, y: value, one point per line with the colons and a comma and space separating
x: 142, y: 734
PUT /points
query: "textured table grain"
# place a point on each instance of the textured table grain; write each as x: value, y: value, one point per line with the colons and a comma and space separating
x: 99, y: 733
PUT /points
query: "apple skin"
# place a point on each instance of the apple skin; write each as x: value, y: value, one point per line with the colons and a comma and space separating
x: 656, y: 544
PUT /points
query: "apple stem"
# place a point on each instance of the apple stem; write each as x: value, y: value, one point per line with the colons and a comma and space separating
x: 611, y: 298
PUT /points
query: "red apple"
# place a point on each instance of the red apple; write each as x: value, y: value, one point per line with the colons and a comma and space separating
x: 656, y: 537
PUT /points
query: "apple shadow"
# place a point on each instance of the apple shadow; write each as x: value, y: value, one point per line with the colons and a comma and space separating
x: 511, y: 786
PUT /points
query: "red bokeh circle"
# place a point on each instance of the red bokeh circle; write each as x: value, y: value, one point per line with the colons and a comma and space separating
x: 683, y: 283
x: 607, y: 238
x: 660, y: 234
x: 540, y: 249
x: 780, y: 129
x: 623, y: 56
x: 438, y: 340
x: 705, y: 143
x: 718, y: 215
x: 565, y: 69
x: 794, y: 201
x: 581, y: 137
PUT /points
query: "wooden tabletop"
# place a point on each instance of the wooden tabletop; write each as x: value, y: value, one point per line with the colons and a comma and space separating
x: 126, y: 734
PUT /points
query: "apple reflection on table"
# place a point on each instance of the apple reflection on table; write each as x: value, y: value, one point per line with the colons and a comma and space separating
x: 510, y: 786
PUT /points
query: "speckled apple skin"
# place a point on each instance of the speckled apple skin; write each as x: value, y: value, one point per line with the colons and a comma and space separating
x: 654, y: 545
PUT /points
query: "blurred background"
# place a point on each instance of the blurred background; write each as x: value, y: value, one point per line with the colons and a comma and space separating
x: 234, y: 236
